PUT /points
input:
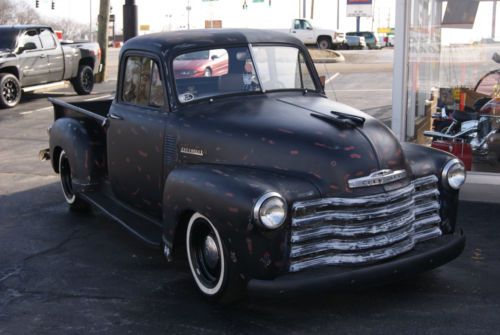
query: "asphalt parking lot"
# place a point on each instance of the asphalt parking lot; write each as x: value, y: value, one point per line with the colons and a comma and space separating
x: 63, y: 273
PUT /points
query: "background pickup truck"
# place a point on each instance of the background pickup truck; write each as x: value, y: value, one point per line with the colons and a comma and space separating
x: 251, y: 173
x: 31, y: 58
x: 309, y: 35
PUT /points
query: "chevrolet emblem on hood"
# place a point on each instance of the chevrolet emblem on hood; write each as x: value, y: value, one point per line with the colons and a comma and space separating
x: 378, y: 178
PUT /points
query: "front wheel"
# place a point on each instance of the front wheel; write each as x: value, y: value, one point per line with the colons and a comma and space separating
x: 75, y: 203
x: 83, y: 83
x: 324, y: 43
x: 213, y: 273
x: 10, y: 90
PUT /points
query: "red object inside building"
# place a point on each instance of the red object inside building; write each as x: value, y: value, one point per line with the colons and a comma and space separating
x: 460, y: 149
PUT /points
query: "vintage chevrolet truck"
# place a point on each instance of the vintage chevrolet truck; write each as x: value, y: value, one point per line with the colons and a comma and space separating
x: 32, y: 58
x: 254, y: 172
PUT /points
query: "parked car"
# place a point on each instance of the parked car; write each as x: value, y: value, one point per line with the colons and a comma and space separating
x: 31, y: 58
x: 255, y: 173
x: 370, y: 38
x: 322, y: 38
x: 204, y: 63
x: 355, y: 42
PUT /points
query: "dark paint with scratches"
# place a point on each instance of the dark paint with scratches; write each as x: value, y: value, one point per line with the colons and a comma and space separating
x: 251, y: 145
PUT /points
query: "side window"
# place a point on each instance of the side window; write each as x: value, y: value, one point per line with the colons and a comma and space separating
x: 47, y: 39
x: 296, y: 24
x: 142, y: 84
x: 306, y: 25
x: 30, y: 38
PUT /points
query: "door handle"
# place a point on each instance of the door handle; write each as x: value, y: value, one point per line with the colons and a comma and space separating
x: 115, y: 117
x: 43, y: 55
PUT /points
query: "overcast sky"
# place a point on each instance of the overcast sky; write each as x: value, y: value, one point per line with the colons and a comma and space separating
x: 161, y: 15
x: 172, y: 14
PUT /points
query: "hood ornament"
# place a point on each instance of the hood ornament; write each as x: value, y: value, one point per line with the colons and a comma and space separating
x: 381, y: 177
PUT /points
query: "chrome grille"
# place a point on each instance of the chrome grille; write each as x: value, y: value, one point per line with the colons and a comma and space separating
x: 349, y: 231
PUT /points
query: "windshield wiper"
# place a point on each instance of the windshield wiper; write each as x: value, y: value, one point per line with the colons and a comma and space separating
x: 341, y: 119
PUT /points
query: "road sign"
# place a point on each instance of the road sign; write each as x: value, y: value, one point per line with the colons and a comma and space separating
x: 360, y: 8
x: 144, y: 27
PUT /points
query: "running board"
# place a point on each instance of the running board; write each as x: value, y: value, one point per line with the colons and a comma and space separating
x: 145, y: 229
x: 58, y: 84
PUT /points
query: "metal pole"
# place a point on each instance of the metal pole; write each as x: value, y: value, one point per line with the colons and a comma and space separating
x: 494, y: 20
x: 130, y: 28
x: 304, y: 10
x: 90, y: 21
x: 338, y: 14
x: 358, y: 23
x: 400, y: 70
x: 312, y: 9
x: 188, y: 8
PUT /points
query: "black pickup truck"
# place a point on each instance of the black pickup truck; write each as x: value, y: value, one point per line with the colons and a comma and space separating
x: 252, y: 170
x: 32, y: 58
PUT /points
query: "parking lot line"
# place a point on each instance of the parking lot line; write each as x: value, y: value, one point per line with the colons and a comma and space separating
x: 332, y: 78
x: 44, y: 109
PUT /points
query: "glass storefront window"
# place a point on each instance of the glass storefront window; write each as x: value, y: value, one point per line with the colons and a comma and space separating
x: 453, y: 80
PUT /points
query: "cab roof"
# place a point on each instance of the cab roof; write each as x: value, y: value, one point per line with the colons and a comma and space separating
x: 206, y: 38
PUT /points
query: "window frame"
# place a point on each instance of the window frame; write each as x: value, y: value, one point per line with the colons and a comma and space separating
x: 122, y: 70
x: 25, y: 32
x: 51, y: 33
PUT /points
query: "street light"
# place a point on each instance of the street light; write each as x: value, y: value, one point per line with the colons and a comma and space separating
x: 188, y: 8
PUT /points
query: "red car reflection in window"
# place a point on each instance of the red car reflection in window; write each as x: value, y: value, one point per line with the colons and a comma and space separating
x: 206, y: 63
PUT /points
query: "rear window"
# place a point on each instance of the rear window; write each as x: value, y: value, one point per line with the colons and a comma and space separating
x: 142, y: 84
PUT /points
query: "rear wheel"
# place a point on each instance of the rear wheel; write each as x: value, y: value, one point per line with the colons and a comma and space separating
x: 208, y: 72
x: 75, y: 203
x: 10, y: 90
x: 213, y: 273
x: 83, y: 83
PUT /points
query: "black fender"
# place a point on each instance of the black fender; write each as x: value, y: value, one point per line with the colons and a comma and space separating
x: 227, y: 195
x: 84, y: 145
x: 424, y: 161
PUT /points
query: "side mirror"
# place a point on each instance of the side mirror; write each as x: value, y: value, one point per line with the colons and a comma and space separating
x: 214, y: 57
x: 27, y: 46
x: 309, y: 28
x: 322, y: 79
x: 496, y: 57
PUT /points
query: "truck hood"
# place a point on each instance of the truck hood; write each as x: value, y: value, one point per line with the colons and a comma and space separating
x: 279, y: 133
x: 4, y: 53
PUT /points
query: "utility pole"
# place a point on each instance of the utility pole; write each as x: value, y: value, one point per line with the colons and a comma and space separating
x: 102, y: 37
x: 312, y: 9
x: 188, y: 8
x: 304, y: 11
x: 129, y: 20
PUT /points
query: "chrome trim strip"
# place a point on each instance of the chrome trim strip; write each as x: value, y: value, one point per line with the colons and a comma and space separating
x: 354, y: 258
x: 361, y: 201
x: 356, y: 215
x: 343, y: 230
x: 419, y: 224
x: 376, y: 241
x: 425, y: 180
x: 427, y: 234
x: 381, y: 177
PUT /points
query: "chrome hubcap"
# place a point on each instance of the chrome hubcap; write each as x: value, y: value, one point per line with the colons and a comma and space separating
x: 210, y: 252
x: 10, y: 91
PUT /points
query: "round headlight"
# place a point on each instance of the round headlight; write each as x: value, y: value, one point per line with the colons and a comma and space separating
x: 270, y: 210
x: 454, y: 174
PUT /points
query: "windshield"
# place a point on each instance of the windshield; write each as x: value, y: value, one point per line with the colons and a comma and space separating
x: 7, y: 38
x: 216, y: 72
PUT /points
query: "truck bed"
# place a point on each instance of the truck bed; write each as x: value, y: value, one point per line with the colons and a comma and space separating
x: 93, y: 110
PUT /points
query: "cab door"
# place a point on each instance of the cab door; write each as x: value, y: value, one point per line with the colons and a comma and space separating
x: 33, y: 62
x: 136, y: 134
x: 304, y: 31
x: 55, y: 57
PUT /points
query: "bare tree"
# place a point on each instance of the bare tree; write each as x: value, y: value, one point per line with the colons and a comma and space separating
x: 20, y: 12
x: 6, y: 12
